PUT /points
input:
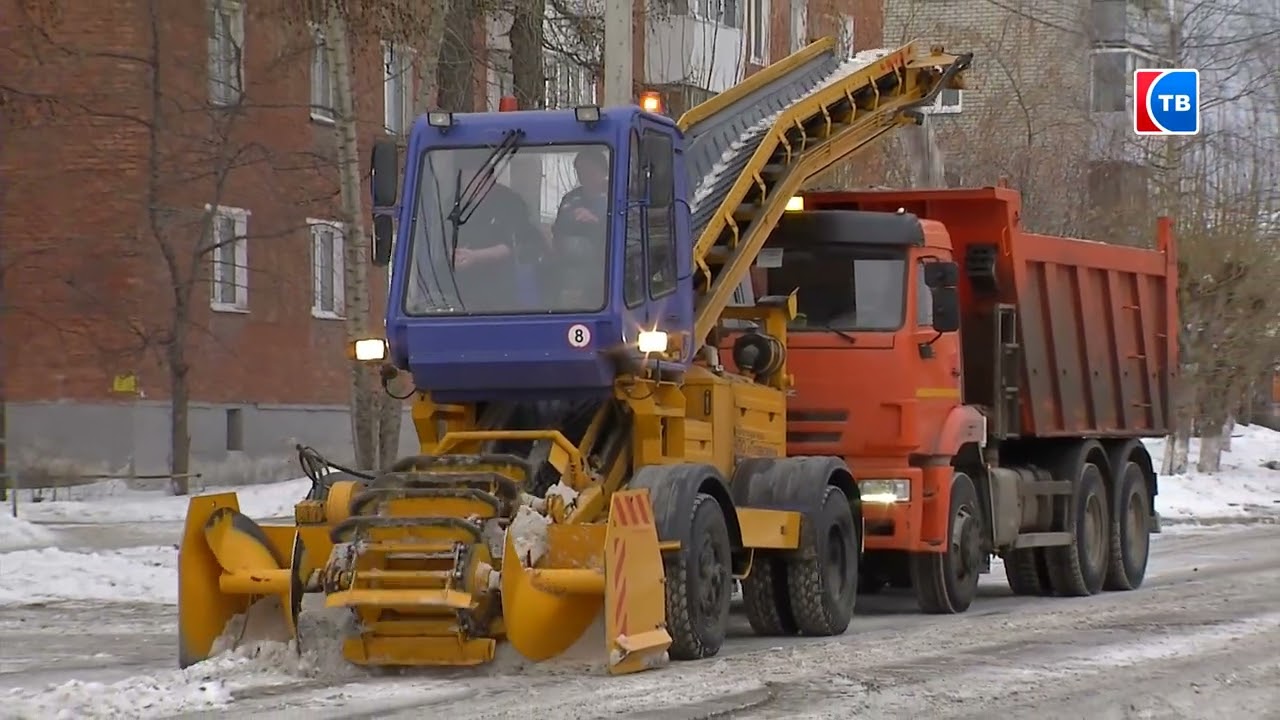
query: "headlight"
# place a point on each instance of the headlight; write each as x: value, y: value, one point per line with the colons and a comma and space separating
x: 651, y: 341
x: 370, y: 349
x: 885, y: 492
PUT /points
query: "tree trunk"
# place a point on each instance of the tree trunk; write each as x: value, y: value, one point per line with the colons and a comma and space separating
x: 1227, y: 429
x: 1210, y: 459
x: 179, y: 405
x: 356, y: 279
x: 528, y: 76
x: 429, y: 57
x: 456, y: 81
x: 390, y: 409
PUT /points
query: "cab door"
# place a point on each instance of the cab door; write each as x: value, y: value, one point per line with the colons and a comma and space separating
x: 937, y: 357
x: 653, y: 291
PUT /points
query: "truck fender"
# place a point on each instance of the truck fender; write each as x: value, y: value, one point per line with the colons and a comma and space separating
x: 797, y: 484
x: 672, y: 489
x: 1120, y: 452
x: 964, y: 424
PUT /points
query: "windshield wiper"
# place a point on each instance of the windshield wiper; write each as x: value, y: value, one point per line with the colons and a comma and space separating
x: 467, y: 200
x: 852, y: 340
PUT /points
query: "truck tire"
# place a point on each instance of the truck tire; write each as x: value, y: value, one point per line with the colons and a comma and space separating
x: 700, y: 583
x: 1078, y: 569
x: 765, y: 598
x: 946, y: 583
x: 822, y: 579
x: 1130, y: 536
x: 1027, y: 572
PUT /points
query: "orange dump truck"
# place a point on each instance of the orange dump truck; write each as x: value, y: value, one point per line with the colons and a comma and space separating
x: 987, y: 386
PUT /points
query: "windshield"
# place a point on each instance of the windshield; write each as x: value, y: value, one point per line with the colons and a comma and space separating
x: 841, y: 287
x: 510, y: 228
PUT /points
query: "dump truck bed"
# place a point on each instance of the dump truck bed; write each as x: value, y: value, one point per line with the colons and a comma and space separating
x: 1062, y: 337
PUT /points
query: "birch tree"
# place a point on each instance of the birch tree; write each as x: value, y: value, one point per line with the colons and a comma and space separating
x: 350, y: 31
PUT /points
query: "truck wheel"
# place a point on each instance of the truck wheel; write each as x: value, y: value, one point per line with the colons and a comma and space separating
x: 1130, y: 536
x: 700, y: 583
x: 946, y: 583
x: 1027, y: 572
x: 822, y: 580
x: 1078, y: 569
x: 764, y: 597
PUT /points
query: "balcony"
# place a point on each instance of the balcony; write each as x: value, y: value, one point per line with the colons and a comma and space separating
x: 686, y: 50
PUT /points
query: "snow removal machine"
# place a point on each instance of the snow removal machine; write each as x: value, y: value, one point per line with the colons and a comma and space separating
x: 587, y: 458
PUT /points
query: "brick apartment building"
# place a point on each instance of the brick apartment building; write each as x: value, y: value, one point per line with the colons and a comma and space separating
x: 1050, y: 103
x: 135, y: 126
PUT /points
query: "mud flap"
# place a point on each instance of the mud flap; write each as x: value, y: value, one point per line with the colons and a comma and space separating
x: 636, y: 636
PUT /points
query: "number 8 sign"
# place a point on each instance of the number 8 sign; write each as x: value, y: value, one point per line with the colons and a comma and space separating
x: 579, y: 336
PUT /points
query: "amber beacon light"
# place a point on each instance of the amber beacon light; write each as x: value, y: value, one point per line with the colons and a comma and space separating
x: 651, y: 101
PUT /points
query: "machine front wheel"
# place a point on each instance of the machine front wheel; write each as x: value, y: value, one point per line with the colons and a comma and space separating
x: 700, y: 583
x: 824, y: 584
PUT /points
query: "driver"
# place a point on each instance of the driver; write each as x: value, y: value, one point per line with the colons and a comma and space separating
x: 501, y: 221
x: 583, y: 209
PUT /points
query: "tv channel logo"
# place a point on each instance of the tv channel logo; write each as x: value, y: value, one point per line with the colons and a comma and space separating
x: 1166, y: 102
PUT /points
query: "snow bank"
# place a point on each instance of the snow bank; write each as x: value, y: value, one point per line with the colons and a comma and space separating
x: 142, y: 574
x: 17, y: 534
x: 1245, y: 487
x: 257, y: 501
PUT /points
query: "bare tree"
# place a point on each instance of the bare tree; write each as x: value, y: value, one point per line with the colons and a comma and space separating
x: 349, y: 31
x: 192, y: 145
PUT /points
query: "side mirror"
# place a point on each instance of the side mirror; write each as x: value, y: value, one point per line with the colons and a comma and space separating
x: 946, y: 309
x: 384, y: 234
x: 386, y: 171
x: 941, y: 273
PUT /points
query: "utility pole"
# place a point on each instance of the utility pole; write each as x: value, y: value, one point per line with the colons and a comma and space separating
x: 618, y: 76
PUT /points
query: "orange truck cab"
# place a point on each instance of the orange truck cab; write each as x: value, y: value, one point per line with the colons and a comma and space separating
x: 987, y: 387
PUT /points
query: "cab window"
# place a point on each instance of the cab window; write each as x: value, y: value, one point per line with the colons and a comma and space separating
x: 633, y: 262
x: 658, y: 152
x: 842, y: 287
x: 924, y: 299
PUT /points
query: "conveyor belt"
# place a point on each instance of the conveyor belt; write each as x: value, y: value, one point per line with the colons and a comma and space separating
x: 755, y: 145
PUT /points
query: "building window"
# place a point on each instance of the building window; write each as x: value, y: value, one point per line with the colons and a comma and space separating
x: 226, y: 52
x: 229, y: 250
x: 724, y: 12
x: 758, y: 31
x: 1110, y: 75
x: 846, y: 36
x: 568, y: 83
x: 327, y: 268
x: 948, y: 102
x: 799, y: 24
x: 397, y: 90
x: 235, y: 430
x: 321, y: 81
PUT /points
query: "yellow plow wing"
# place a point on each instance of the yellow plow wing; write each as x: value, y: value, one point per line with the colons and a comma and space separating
x: 616, y: 568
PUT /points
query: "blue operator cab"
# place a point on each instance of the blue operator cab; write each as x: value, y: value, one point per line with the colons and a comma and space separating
x: 536, y: 254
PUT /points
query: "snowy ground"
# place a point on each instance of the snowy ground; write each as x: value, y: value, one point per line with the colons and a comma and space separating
x: 87, y: 629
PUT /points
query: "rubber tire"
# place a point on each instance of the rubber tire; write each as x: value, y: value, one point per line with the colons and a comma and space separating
x: 695, y: 635
x: 1126, y: 570
x: 1070, y: 572
x: 820, y: 609
x: 933, y: 575
x: 1027, y: 572
x: 765, y: 599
